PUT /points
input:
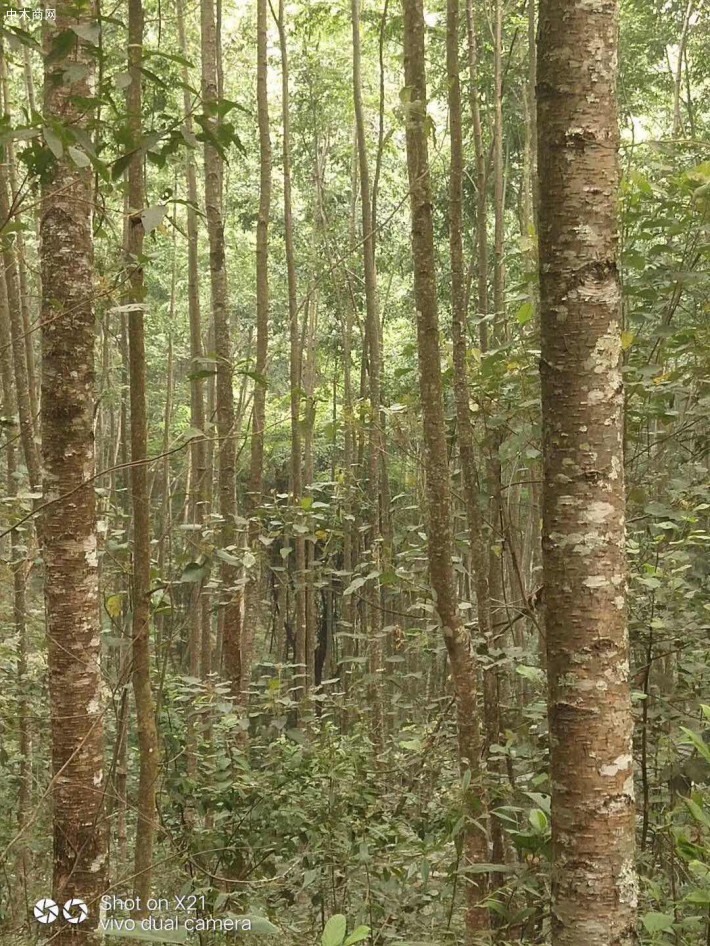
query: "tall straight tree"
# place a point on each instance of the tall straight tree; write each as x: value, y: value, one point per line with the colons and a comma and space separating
x: 199, y: 615
x: 68, y: 527
x: 478, y: 846
x: 256, y: 463
x: 140, y: 631
x: 584, y: 573
x: 231, y: 603
x: 302, y: 631
x: 437, y: 490
x: 374, y: 365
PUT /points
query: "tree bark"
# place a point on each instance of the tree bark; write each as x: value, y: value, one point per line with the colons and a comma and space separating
x: 68, y: 528
x: 439, y: 531
x: 231, y: 603
x: 140, y: 630
x: 374, y: 364
x: 256, y: 463
x: 584, y: 571
x: 296, y: 474
x: 477, y: 847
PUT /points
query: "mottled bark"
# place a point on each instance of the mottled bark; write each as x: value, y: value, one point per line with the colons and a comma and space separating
x: 594, y: 884
x: 68, y: 527
x: 140, y: 631
x: 439, y: 531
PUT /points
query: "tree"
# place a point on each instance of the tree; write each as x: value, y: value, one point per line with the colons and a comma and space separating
x: 584, y: 571
x: 440, y: 547
x: 140, y: 587
x: 256, y: 463
x: 68, y: 528
x: 231, y: 609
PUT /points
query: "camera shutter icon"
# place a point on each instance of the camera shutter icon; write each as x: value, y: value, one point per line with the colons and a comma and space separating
x: 46, y: 910
x: 75, y: 911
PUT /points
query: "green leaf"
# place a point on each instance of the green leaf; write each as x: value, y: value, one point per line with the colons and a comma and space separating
x: 120, y: 165
x: 228, y: 558
x: 334, y: 932
x: 538, y: 820
x: 88, y: 31
x: 354, y: 585
x: 62, y: 44
x: 525, y: 313
x: 193, y: 571
x: 259, y: 924
x: 54, y: 142
x: 79, y: 158
x: 656, y: 922
x: 357, y: 935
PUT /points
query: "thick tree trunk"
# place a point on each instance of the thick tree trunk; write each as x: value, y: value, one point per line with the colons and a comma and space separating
x: 594, y: 885
x: 68, y: 527
x: 439, y: 531
x: 140, y: 630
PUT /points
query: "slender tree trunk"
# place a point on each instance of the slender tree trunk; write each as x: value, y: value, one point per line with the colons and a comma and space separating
x: 256, y: 465
x: 28, y: 335
x: 296, y: 473
x: 231, y: 610
x: 374, y: 350
x: 584, y: 570
x: 19, y: 352
x: 197, y: 506
x: 481, y: 178
x: 19, y: 572
x: 68, y: 528
x: 440, y: 536
x: 678, y: 78
x: 477, y: 845
x: 140, y: 630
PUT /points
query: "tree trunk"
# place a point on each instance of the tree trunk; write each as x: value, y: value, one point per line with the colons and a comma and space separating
x: 140, y: 630
x: 439, y: 531
x: 481, y: 178
x: 374, y: 364
x: 296, y: 473
x: 594, y: 885
x: 231, y: 610
x: 68, y: 527
x: 477, y: 848
x: 256, y: 464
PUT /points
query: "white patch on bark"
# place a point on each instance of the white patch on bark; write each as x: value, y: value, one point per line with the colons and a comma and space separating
x: 97, y: 863
x: 93, y: 706
x: 620, y: 764
x: 598, y: 512
x: 596, y: 581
